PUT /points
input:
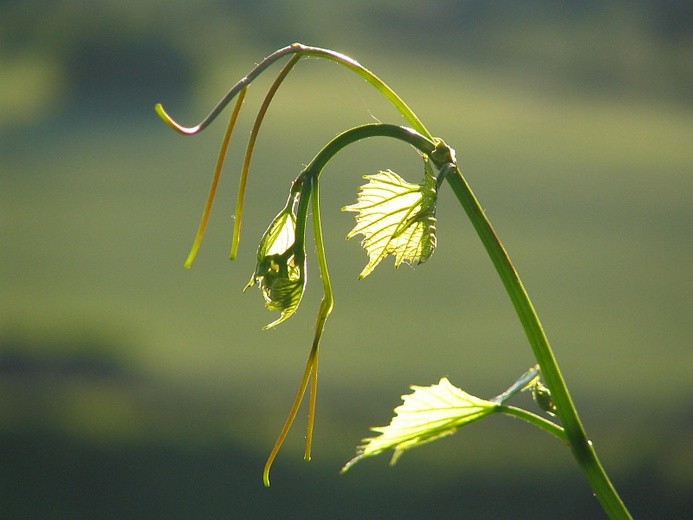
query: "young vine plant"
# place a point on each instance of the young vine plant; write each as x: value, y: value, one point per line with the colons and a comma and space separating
x: 393, y: 218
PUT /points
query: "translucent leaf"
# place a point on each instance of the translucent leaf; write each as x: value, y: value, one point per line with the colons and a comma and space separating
x: 427, y: 414
x: 277, y: 273
x: 396, y: 218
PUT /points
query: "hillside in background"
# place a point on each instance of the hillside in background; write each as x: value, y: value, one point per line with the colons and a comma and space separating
x: 106, y: 56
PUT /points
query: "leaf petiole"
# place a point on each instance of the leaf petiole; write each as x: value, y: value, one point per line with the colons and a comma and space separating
x: 532, y: 418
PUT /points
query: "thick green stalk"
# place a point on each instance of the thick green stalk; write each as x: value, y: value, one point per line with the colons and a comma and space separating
x: 581, y: 447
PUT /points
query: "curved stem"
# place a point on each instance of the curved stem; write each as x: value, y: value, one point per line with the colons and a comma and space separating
x: 242, y: 83
x: 421, y: 139
x: 582, y: 448
x: 300, y: 50
x: 357, y: 133
x: 374, y: 80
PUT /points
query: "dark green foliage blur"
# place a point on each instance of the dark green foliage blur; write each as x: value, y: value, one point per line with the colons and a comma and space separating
x: 133, y: 388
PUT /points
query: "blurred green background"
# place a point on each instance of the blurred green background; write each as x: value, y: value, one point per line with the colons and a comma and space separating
x: 133, y: 388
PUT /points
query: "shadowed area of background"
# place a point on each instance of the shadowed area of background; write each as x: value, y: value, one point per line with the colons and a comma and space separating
x: 133, y: 388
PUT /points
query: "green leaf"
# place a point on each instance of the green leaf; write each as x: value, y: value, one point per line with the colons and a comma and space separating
x: 278, y: 274
x: 396, y: 218
x: 427, y: 414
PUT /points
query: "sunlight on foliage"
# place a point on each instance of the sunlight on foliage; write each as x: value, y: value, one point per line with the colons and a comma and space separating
x: 427, y: 414
x: 396, y: 218
x: 280, y: 277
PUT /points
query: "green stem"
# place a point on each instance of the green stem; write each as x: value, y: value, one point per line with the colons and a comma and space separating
x: 358, y: 133
x: 534, y: 419
x: 310, y: 191
x: 374, y: 80
x: 581, y: 447
x: 326, y: 305
x: 300, y: 50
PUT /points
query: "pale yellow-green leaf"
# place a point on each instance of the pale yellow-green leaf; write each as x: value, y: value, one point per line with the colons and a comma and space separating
x: 427, y: 414
x: 396, y: 218
x: 277, y: 273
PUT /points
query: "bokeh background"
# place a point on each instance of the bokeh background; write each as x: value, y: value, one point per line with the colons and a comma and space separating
x: 133, y: 388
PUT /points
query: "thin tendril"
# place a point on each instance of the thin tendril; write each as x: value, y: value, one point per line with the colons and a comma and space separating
x: 235, y: 90
x: 310, y: 366
x: 249, y: 154
x: 312, y: 402
x: 215, y: 179
x: 326, y: 306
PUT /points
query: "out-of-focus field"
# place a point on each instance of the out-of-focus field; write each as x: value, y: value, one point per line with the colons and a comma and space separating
x: 131, y: 384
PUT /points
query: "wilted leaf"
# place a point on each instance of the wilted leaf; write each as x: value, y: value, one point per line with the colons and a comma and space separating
x: 277, y: 273
x: 396, y: 218
x: 427, y: 414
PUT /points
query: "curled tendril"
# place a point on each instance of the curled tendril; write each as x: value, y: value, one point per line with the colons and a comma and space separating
x: 301, y: 50
x: 232, y: 93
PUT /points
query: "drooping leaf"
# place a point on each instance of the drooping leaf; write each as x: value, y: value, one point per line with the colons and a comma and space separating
x: 278, y: 274
x: 396, y: 218
x: 427, y: 414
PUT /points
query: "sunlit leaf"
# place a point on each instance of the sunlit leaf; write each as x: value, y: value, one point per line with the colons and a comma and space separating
x: 427, y: 414
x: 277, y: 273
x: 396, y: 218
